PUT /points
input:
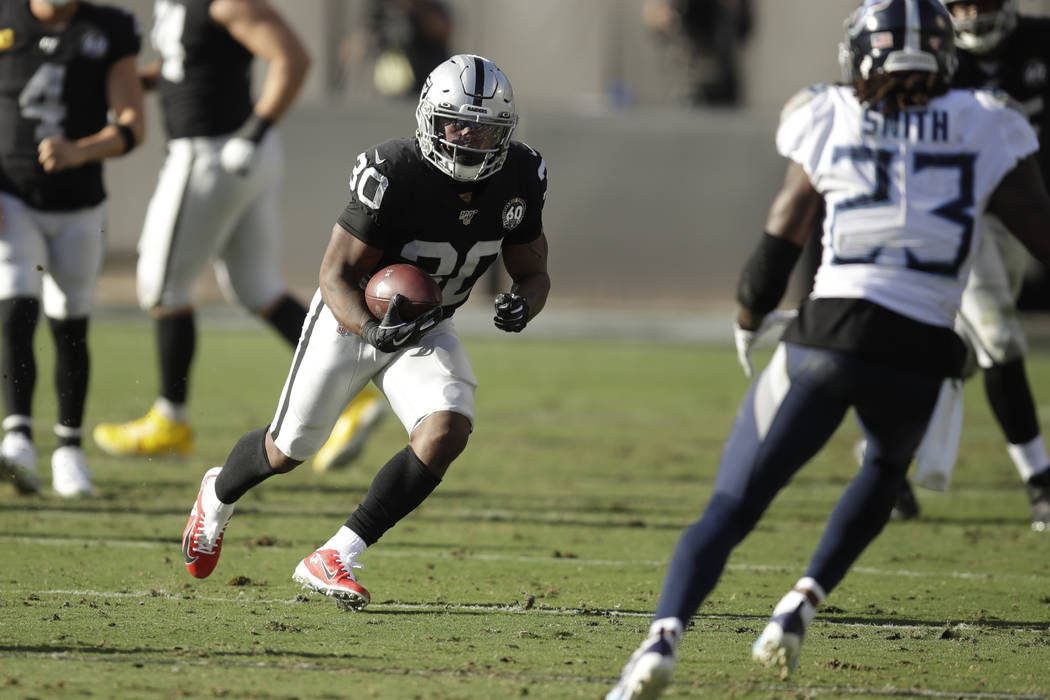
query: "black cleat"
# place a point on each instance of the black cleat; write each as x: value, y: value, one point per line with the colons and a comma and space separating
x: 1038, y: 488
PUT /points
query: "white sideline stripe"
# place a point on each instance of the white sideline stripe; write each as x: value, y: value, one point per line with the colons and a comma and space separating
x: 241, y: 599
x: 523, y: 559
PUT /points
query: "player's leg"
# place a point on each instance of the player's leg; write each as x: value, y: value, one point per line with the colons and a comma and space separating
x: 76, y: 249
x: 788, y: 414
x: 192, y: 211
x: 325, y: 366
x: 893, y: 408
x: 22, y: 246
x: 431, y: 390
x: 993, y: 326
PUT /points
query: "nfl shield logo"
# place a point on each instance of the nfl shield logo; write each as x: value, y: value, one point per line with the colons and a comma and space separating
x: 466, y: 215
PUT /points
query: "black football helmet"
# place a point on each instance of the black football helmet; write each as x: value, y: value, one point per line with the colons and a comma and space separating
x: 983, y: 32
x: 890, y: 36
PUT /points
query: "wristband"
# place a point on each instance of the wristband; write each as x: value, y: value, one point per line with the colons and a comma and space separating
x: 254, y: 128
x: 128, y: 135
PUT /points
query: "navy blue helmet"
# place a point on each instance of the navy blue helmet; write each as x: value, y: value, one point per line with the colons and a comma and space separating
x: 891, y: 36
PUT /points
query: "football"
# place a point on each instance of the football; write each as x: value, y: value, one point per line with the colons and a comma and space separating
x: 420, y: 290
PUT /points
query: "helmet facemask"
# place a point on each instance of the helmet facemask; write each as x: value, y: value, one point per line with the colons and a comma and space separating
x: 986, y: 31
x: 465, y: 118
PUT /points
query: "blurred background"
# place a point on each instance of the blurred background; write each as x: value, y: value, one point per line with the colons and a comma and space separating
x: 657, y: 131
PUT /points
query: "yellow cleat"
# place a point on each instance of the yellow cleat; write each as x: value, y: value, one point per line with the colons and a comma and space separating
x: 153, y: 434
x: 351, y: 431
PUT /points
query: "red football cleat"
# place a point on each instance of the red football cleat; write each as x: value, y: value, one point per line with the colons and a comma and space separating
x: 328, y: 572
x: 202, y: 538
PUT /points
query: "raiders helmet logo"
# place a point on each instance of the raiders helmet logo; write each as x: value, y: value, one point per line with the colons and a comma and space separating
x: 513, y: 213
x: 94, y: 44
x: 1035, y: 73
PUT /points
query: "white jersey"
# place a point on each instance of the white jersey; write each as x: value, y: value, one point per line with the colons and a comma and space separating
x: 902, y: 194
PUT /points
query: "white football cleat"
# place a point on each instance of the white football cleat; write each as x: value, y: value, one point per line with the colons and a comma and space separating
x: 780, y: 643
x: 649, y: 669
x: 18, y: 462
x: 70, y: 476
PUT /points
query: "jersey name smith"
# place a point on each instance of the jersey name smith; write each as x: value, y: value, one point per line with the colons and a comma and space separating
x: 929, y: 125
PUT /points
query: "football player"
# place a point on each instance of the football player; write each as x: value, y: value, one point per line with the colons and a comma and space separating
x: 65, y: 66
x: 451, y: 200
x: 998, y: 48
x: 903, y: 167
x: 217, y: 199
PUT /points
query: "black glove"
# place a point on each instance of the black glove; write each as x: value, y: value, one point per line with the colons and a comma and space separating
x: 392, y: 333
x: 512, y: 312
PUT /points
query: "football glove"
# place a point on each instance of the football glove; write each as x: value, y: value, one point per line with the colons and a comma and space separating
x: 238, y: 153
x: 746, y: 339
x: 394, y: 333
x: 512, y: 312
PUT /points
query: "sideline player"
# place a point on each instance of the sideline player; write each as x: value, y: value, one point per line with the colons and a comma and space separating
x: 217, y: 199
x: 1002, y: 49
x: 65, y: 65
x: 450, y: 201
x: 904, y: 166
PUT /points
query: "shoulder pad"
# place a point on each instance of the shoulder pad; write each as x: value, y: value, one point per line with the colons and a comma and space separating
x: 532, y: 154
x: 802, y: 98
x: 994, y: 97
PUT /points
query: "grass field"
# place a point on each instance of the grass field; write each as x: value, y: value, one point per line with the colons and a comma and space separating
x: 530, y: 572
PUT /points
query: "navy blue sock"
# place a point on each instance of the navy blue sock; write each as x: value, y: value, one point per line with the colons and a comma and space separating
x: 859, y: 516
x: 701, y: 555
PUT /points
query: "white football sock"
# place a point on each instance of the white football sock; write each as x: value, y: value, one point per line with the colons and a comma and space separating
x: 1029, y: 458
x: 668, y: 624
x: 345, y: 541
x: 170, y: 409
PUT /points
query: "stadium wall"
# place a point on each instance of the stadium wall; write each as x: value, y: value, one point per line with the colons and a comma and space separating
x: 651, y: 203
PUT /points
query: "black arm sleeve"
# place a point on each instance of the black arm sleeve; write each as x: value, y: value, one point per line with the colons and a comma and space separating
x: 765, y: 276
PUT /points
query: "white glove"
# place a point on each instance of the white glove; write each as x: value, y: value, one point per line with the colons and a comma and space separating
x: 237, y: 155
x: 745, y: 340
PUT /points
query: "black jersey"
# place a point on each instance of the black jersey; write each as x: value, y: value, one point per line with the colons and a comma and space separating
x: 1020, y: 69
x: 417, y: 214
x: 205, y: 81
x: 54, y: 84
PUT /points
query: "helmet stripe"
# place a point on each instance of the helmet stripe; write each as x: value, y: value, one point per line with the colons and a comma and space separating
x: 479, y: 80
x: 913, y: 27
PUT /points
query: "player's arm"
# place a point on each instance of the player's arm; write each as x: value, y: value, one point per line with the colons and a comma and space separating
x: 526, y: 263
x: 149, y: 76
x: 346, y: 264
x: 124, y: 96
x: 792, y: 218
x: 1022, y: 203
x: 261, y: 30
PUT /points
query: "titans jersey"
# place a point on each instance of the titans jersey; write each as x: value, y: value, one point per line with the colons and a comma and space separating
x: 1020, y: 69
x: 416, y: 214
x: 902, y: 194
x: 54, y: 84
x: 205, y: 80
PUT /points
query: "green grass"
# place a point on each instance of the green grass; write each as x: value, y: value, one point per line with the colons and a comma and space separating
x: 530, y: 572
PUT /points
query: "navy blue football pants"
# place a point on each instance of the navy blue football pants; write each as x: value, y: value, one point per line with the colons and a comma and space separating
x: 790, y: 412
